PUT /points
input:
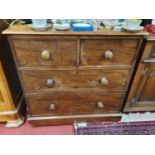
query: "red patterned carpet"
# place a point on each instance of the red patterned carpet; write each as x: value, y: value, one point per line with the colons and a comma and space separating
x: 27, y: 129
x: 119, y: 128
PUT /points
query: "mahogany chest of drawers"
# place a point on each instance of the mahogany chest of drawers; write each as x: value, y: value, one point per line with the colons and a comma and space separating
x: 69, y: 77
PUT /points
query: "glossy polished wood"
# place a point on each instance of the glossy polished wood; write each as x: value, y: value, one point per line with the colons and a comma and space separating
x: 12, y: 104
x: 5, y: 95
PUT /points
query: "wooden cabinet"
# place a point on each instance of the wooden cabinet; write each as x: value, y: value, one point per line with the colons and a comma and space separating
x: 142, y: 92
x: 12, y: 104
x: 74, y: 76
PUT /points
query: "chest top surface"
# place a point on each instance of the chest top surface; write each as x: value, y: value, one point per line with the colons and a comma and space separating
x: 24, y: 29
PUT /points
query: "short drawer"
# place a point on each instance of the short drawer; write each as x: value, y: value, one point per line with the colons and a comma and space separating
x: 70, y: 103
x: 108, y: 52
x: 43, y: 81
x: 46, y: 53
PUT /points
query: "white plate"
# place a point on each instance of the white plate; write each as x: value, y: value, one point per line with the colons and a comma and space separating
x: 61, y: 26
x: 112, y: 23
x: 39, y: 28
x: 133, y: 29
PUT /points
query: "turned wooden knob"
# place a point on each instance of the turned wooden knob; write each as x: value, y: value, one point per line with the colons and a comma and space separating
x: 104, y: 81
x: 109, y: 54
x: 50, y: 83
x: 45, y: 54
x: 52, y: 107
x: 100, y: 105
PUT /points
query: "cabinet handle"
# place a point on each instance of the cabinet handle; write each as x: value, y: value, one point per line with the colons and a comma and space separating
x: 52, y: 107
x: 100, y: 105
x: 109, y: 54
x: 45, y: 54
x: 104, y: 81
x: 50, y: 83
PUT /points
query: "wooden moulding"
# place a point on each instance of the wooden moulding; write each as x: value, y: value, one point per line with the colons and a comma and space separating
x: 65, y: 120
x: 15, y: 117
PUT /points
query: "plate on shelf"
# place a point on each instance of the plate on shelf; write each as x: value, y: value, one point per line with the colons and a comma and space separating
x: 139, y: 28
x: 61, y: 26
x: 39, y: 28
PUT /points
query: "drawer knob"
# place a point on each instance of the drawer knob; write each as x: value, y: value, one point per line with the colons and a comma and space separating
x: 100, y: 105
x: 109, y: 54
x: 45, y: 55
x: 50, y: 83
x: 104, y: 81
x: 52, y: 107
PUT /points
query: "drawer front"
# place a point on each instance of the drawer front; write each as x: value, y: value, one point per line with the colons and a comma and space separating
x: 70, y: 103
x: 108, y: 52
x: 44, y: 81
x: 47, y: 53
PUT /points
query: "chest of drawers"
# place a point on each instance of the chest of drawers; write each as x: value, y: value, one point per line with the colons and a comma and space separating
x: 69, y: 77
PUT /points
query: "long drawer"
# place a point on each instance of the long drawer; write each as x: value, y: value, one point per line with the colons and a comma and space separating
x: 108, y: 52
x: 46, y: 53
x: 78, y: 102
x: 44, y: 81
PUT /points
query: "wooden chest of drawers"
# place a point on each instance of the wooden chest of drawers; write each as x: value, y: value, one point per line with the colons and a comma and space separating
x: 69, y: 77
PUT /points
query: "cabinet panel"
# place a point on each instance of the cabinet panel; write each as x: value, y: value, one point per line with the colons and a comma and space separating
x: 6, y: 101
x: 147, y: 92
x: 142, y: 93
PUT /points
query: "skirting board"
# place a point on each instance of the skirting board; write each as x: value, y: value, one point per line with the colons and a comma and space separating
x: 66, y: 120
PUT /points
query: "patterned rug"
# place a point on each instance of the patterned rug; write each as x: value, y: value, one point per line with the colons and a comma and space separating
x: 119, y: 128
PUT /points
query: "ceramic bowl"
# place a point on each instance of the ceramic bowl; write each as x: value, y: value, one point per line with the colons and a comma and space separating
x: 39, y: 22
x: 61, y: 26
x: 74, y: 21
x: 133, y: 23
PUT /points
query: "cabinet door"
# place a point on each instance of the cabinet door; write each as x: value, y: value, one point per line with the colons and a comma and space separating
x: 142, y: 93
x: 146, y: 88
x: 143, y: 98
